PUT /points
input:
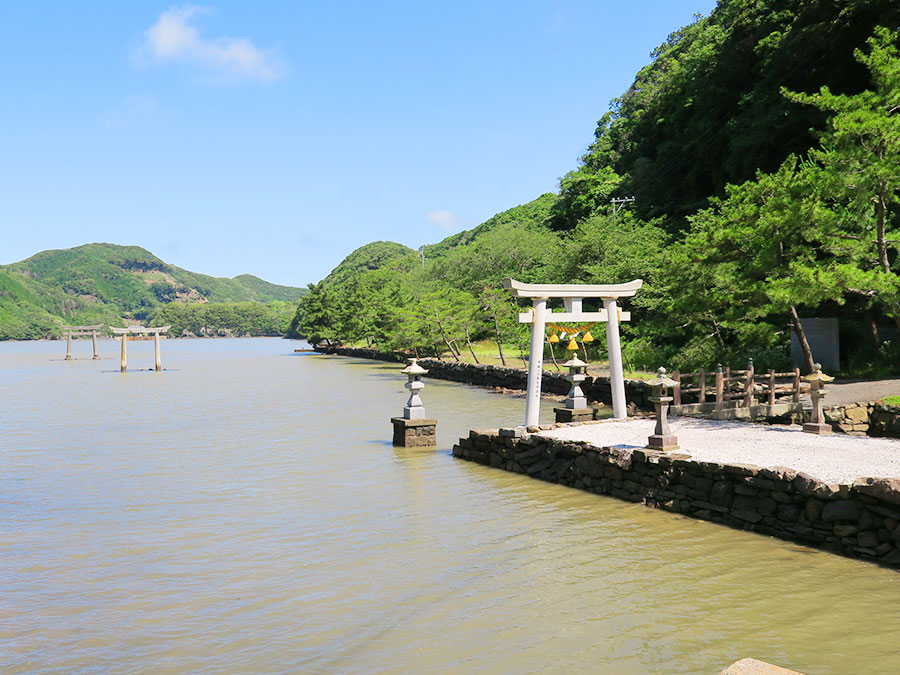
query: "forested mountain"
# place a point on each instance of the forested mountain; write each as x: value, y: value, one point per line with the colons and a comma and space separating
x: 762, y: 147
x: 709, y: 110
x: 105, y: 283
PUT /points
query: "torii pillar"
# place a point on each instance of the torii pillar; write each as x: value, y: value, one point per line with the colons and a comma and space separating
x: 572, y: 296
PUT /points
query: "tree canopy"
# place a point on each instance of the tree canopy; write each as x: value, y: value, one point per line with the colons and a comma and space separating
x: 762, y: 146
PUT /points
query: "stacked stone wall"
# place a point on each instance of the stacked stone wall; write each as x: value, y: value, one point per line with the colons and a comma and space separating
x: 861, y: 519
x: 596, y: 389
x: 871, y: 418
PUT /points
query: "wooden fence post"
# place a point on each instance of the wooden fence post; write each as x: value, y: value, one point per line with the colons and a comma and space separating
x: 701, y: 379
x: 720, y: 387
x: 676, y: 391
x: 771, y: 386
x: 796, y: 393
x: 748, y: 385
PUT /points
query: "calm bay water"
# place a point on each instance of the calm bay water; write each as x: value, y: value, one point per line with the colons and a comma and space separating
x: 244, y: 512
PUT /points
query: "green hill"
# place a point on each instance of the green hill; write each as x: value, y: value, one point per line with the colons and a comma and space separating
x: 534, y: 214
x: 378, y: 255
x: 106, y: 283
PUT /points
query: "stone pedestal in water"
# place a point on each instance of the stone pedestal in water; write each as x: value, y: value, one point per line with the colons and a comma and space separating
x: 414, y: 430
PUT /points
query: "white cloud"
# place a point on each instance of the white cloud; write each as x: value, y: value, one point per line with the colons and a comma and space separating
x: 444, y: 220
x: 174, y: 39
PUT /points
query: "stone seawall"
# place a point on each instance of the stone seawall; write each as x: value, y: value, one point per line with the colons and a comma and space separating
x: 860, y: 519
x: 596, y: 389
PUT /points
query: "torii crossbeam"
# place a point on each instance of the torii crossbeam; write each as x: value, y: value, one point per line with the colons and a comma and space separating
x: 140, y: 333
x: 572, y: 296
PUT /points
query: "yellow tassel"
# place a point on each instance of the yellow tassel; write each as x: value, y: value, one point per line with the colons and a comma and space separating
x: 553, y: 338
x: 587, y: 337
x: 572, y: 345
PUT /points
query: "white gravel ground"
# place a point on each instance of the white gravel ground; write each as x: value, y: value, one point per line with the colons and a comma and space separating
x: 832, y: 459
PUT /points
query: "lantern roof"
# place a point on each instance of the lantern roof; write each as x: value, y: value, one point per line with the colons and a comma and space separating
x: 817, y: 375
x: 575, y: 362
x: 661, y: 379
x: 413, y: 368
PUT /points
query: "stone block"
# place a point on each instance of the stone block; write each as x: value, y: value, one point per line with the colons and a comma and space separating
x: 722, y: 493
x: 755, y: 667
x: 808, y: 486
x: 414, y: 433
x: 813, y: 510
x: 892, y: 558
x: 741, y: 469
x: 858, y: 415
x: 885, y: 489
x: 789, y: 513
x: 564, y: 415
x: 845, y: 530
x: 867, y: 539
x: 841, y: 510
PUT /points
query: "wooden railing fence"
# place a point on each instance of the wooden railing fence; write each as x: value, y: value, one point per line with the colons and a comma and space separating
x: 744, y: 386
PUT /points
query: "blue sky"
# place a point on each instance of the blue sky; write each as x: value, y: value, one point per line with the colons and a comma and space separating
x: 274, y: 138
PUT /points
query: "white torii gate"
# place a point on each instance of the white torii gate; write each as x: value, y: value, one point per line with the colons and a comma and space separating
x: 572, y: 295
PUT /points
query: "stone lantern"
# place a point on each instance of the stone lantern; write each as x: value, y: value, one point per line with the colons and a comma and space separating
x: 575, y: 407
x: 817, y: 380
x: 662, y: 438
x: 414, y: 409
x: 414, y: 429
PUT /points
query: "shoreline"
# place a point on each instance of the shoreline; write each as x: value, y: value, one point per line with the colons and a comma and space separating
x: 847, y: 513
x: 596, y: 388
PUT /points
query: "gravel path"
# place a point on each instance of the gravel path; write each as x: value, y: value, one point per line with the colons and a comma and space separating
x: 832, y: 459
x: 844, y: 392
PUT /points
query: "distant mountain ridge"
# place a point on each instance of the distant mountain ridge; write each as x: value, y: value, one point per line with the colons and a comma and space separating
x: 107, y: 283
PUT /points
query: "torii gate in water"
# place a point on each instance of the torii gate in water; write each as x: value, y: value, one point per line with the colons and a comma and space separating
x: 572, y: 296
x: 74, y: 331
x: 140, y: 333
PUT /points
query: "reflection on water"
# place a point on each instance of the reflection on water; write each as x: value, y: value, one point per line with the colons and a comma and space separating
x: 244, y: 512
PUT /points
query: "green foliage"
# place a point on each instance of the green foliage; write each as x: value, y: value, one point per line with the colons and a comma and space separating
x: 755, y: 205
x: 105, y: 283
x: 707, y: 111
x: 225, y: 318
x: 535, y: 214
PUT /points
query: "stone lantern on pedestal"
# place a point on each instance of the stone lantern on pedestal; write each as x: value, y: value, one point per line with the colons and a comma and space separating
x: 414, y: 429
x: 817, y: 380
x: 575, y: 407
x: 662, y: 438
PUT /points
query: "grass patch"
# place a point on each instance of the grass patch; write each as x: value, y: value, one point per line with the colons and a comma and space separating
x: 891, y: 400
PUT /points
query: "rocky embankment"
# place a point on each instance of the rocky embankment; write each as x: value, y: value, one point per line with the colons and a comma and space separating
x: 859, y: 519
x: 872, y: 418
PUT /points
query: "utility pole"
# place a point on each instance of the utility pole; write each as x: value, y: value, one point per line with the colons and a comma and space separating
x: 619, y: 203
